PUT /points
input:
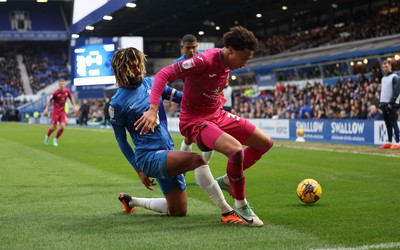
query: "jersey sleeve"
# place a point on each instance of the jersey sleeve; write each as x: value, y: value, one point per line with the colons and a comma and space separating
x: 52, y: 96
x: 118, y: 126
x: 396, y: 90
x: 192, y: 66
x: 126, y: 149
x: 172, y: 95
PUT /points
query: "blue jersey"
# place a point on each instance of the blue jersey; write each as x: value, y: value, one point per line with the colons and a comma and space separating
x: 127, y: 106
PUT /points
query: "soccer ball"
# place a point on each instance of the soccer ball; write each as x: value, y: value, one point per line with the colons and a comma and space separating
x: 300, y: 132
x: 309, y: 191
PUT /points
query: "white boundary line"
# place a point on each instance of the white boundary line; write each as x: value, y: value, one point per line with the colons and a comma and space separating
x: 340, y: 151
x: 366, y: 247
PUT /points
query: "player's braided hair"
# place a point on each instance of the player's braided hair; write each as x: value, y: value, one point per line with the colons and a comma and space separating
x: 240, y: 38
x: 122, y: 62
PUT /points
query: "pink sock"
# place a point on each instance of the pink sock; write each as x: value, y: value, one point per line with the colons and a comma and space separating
x: 59, y: 132
x: 234, y: 170
x: 252, y: 155
x: 51, y: 130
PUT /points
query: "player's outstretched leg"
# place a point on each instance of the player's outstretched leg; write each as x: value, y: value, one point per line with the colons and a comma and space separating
x: 154, y: 204
x: 125, y: 199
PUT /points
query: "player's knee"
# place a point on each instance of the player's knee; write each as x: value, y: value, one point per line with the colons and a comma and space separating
x: 236, y: 157
x: 187, y: 141
x: 199, y: 160
x: 178, y: 212
x: 269, y: 144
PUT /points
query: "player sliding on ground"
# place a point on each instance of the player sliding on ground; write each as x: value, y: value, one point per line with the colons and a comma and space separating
x: 203, y: 121
x: 154, y: 155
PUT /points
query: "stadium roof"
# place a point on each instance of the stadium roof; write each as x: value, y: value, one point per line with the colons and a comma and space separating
x: 173, y: 18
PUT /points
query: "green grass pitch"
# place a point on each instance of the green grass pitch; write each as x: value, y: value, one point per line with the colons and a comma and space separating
x: 66, y: 198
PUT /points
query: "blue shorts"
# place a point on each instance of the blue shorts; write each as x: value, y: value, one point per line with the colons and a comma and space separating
x: 153, y: 164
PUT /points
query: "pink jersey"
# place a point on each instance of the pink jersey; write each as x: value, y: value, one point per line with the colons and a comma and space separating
x: 205, y: 78
x: 60, y: 98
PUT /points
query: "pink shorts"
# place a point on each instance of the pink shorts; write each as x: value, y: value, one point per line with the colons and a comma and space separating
x: 58, y: 117
x: 221, y: 121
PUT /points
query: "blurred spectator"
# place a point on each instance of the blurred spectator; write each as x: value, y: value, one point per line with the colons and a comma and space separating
x: 106, y: 121
x: 374, y: 113
x: 84, y: 113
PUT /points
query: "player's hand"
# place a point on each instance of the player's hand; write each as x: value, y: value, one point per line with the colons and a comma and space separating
x: 45, y: 112
x: 76, y: 110
x: 146, y: 180
x: 148, y: 120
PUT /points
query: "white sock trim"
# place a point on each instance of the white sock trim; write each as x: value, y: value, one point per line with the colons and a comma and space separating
x: 240, y: 203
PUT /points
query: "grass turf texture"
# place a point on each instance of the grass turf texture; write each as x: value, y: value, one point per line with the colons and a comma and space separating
x: 66, y: 198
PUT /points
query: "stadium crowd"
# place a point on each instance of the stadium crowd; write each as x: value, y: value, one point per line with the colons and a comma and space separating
x: 345, y: 99
x: 45, y: 66
x: 346, y: 28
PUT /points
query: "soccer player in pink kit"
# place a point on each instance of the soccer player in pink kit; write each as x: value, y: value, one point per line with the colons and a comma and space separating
x: 203, y: 121
x: 58, y: 114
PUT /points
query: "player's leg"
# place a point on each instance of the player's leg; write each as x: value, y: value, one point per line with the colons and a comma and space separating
x: 388, y: 123
x: 176, y: 202
x: 173, y: 188
x: 393, y: 118
x: 59, y: 132
x: 258, y: 144
x: 52, y: 128
x: 186, y: 145
x: 207, y: 155
x: 237, y: 132
x: 232, y: 148
x: 154, y: 204
x: 178, y: 160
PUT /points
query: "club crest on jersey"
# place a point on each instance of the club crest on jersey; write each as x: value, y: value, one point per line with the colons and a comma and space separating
x: 111, y: 111
x: 215, y: 91
x: 188, y: 64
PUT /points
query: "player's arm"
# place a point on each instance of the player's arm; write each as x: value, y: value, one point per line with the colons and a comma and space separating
x: 73, y: 103
x: 396, y: 91
x: 124, y: 146
x: 172, y: 95
x: 120, y: 136
x: 193, y: 66
x: 46, y: 110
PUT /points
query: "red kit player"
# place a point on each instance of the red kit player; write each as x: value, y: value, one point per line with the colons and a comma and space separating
x: 59, y: 97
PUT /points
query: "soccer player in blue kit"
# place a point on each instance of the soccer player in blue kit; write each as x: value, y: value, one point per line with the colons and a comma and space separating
x: 154, y: 155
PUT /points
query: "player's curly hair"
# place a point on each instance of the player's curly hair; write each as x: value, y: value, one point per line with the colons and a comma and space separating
x: 240, y: 38
x: 122, y: 62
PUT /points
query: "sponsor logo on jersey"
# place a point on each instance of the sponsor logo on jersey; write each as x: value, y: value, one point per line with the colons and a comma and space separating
x: 188, y: 64
x: 132, y: 106
x: 201, y: 58
x: 213, y: 75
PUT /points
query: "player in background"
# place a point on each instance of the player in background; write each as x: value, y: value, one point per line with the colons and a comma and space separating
x: 154, y: 155
x: 58, y: 115
x: 389, y: 104
x: 189, y: 48
x: 204, y: 122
